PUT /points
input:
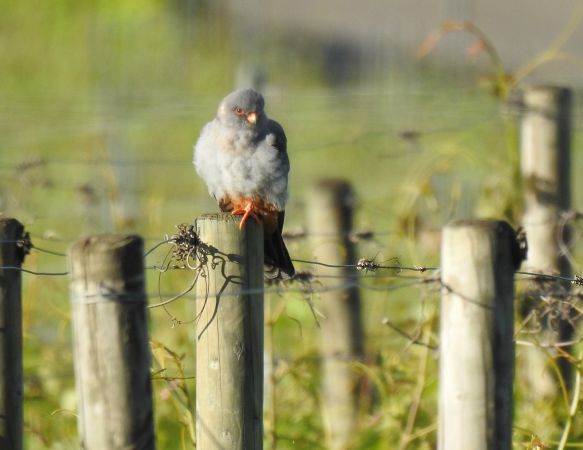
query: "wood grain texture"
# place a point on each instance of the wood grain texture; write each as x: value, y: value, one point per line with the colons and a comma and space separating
x: 11, y: 389
x: 476, y: 346
x: 229, y: 343
x: 330, y: 205
x: 545, y: 165
x: 110, y: 342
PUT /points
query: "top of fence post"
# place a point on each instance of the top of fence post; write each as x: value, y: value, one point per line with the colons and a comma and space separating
x: 110, y: 343
x: 11, y: 395
x: 476, y: 343
x: 229, y: 328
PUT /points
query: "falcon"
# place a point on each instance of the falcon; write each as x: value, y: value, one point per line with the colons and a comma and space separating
x: 242, y: 157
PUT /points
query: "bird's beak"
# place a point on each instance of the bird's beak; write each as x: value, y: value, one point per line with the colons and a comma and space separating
x: 252, y: 117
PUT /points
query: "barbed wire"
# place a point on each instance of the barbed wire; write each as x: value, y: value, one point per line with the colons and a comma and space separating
x: 33, y: 272
x: 555, y: 302
x: 405, y: 133
x: 47, y: 251
x: 304, y: 290
x: 367, y: 265
x: 354, y: 236
x: 185, y: 242
x: 412, y: 339
x: 577, y: 280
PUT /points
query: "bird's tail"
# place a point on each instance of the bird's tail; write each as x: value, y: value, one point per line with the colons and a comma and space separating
x: 278, y: 264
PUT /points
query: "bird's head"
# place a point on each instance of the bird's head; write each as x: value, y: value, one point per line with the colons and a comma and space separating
x: 243, y: 109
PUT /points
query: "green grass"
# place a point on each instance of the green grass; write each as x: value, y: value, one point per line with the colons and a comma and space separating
x: 130, y: 81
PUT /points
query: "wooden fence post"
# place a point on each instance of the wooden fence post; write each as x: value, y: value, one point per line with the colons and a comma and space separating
x: 476, y: 345
x: 330, y: 205
x: 229, y: 347
x: 11, y: 395
x: 545, y: 164
x: 110, y: 343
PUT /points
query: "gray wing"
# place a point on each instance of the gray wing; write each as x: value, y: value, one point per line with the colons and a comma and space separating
x: 277, y: 259
x: 280, y: 142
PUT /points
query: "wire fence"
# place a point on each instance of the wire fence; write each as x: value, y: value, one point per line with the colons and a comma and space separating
x: 185, y: 244
x: 552, y: 297
x: 75, y: 155
x: 180, y: 263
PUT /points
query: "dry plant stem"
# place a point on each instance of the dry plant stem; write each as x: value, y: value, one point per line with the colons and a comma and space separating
x: 272, y: 379
x: 504, y: 82
x: 177, y: 296
x: 423, y: 432
x: 412, y: 339
x: 552, y: 52
x: 561, y: 380
x: 572, y: 410
x: 562, y: 231
x: 468, y: 27
x: 421, y: 377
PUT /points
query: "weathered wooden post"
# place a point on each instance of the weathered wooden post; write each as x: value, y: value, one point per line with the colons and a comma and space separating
x: 545, y: 164
x: 476, y: 347
x: 11, y: 395
x: 110, y: 342
x: 229, y: 328
x: 330, y: 205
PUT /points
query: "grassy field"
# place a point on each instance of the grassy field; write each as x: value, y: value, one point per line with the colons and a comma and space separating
x: 100, y: 104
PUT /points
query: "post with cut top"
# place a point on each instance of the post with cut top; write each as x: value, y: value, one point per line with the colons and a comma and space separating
x: 330, y: 206
x: 11, y: 390
x: 476, y: 347
x: 545, y: 138
x: 110, y: 343
x: 229, y: 330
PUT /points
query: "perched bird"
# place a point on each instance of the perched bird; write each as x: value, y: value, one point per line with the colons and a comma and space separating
x: 242, y: 157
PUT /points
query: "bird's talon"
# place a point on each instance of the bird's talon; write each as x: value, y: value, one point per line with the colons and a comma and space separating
x: 247, y: 212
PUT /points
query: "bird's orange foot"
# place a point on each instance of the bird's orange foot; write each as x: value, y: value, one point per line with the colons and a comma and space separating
x: 247, y: 212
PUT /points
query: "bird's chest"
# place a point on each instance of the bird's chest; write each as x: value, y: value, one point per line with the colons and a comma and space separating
x: 246, y: 158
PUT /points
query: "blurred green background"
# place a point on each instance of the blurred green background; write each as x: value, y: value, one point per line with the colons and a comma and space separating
x: 101, y: 103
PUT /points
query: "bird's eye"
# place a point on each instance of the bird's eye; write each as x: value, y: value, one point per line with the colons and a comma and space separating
x: 238, y: 110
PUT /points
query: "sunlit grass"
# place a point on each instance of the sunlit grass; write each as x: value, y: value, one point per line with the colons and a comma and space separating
x: 108, y: 99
